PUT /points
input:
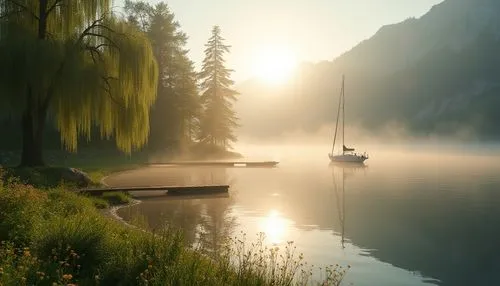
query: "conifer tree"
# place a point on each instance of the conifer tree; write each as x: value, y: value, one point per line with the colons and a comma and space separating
x: 175, y: 111
x: 219, y: 119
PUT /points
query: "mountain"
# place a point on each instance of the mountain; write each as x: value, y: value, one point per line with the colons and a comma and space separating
x: 435, y: 75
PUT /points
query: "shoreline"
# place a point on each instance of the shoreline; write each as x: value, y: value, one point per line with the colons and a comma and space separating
x: 113, y: 210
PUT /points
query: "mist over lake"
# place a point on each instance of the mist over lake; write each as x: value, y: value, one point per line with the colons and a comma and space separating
x: 413, y: 216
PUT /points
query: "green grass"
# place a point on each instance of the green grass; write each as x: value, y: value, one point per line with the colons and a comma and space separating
x: 40, y: 177
x: 56, y: 237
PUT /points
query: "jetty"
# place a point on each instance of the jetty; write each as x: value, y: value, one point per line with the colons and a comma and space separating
x: 171, y: 190
x: 177, y: 196
x: 251, y: 164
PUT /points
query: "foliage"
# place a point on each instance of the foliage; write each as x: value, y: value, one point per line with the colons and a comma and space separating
x: 20, y: 208
x: 175, y: 113
x: 219, y: 119
x: 73, y: 62
x: 62, y: 239
x: 116, y: 198
x: 46, y: 177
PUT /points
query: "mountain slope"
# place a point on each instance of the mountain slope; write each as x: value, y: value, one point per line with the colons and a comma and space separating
x: 439, y: 74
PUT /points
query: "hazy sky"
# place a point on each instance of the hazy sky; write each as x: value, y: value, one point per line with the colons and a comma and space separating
x: 312, y: 30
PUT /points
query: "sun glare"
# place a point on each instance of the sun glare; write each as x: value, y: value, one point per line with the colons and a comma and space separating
x: 274, y: 227
x: 274, y: 64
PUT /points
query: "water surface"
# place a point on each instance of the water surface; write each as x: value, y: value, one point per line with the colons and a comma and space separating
x: 407, y: 218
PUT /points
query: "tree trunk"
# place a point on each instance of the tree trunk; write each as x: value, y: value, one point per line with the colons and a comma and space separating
x: 33, y: 121
x: 32, y: 142
x: 33, y: 125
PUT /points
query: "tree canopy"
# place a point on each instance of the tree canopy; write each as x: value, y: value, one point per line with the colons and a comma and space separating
x: 175, y: 113
x: 73, y: 62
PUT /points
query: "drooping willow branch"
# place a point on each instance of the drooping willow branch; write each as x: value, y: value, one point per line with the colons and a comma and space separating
x: 107, y: 88
x: 57, y: 3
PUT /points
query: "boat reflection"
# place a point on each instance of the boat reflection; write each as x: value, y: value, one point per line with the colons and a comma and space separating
x: 342, y: 169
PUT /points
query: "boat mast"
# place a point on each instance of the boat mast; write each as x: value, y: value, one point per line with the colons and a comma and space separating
x: 343, y: 114
x: 338, y: 116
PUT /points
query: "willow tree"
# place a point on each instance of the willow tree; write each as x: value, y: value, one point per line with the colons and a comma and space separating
x: 72, y: 62
x: 219, y: 119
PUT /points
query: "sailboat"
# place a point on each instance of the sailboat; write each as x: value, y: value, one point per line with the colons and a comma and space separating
x: 348, y: 155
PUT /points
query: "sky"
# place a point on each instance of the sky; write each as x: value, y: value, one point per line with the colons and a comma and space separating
x: 302, y: 30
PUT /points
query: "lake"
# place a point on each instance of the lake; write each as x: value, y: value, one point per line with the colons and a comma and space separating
x: 418, y: 216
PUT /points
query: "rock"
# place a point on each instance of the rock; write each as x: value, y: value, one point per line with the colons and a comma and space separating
x: 75, y: 176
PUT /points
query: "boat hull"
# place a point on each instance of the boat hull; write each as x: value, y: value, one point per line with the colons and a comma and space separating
x: 348, y: 158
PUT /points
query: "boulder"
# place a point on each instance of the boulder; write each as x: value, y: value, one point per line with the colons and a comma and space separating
x: 75, y: 176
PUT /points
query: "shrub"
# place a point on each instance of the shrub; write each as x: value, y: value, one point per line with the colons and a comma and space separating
x: 21, y: 209
x: 82, y: 235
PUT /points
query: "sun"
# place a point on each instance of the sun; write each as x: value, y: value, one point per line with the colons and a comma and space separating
x: 274, y: 64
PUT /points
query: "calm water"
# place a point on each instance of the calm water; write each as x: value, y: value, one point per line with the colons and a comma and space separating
x: 408, y: 218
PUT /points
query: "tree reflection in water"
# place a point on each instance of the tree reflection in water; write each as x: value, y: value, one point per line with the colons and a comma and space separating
x: 207, y: 221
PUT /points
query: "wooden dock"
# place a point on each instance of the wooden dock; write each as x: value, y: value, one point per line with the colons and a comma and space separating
x: 171, y: 190
x: 174, y: 197
x: 253, y: 164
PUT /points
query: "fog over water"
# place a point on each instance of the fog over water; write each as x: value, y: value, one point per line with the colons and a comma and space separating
x: 415, y: 214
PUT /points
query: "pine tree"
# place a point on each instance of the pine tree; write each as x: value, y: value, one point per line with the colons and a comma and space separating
x: 176, y: 108
x: 219, y: 120
x: 189, y: 106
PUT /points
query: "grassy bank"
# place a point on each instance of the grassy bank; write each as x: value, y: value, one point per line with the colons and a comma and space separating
x: 52, y: 236
x: 55, y: 237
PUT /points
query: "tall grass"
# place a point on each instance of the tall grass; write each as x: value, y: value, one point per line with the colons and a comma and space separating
x: 56, y: 237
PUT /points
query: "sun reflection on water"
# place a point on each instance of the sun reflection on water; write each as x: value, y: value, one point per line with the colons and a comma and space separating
x: 274, y: 227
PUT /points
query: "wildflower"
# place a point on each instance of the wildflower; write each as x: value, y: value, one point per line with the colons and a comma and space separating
x: 27, y: 253
x: 67, y: 276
